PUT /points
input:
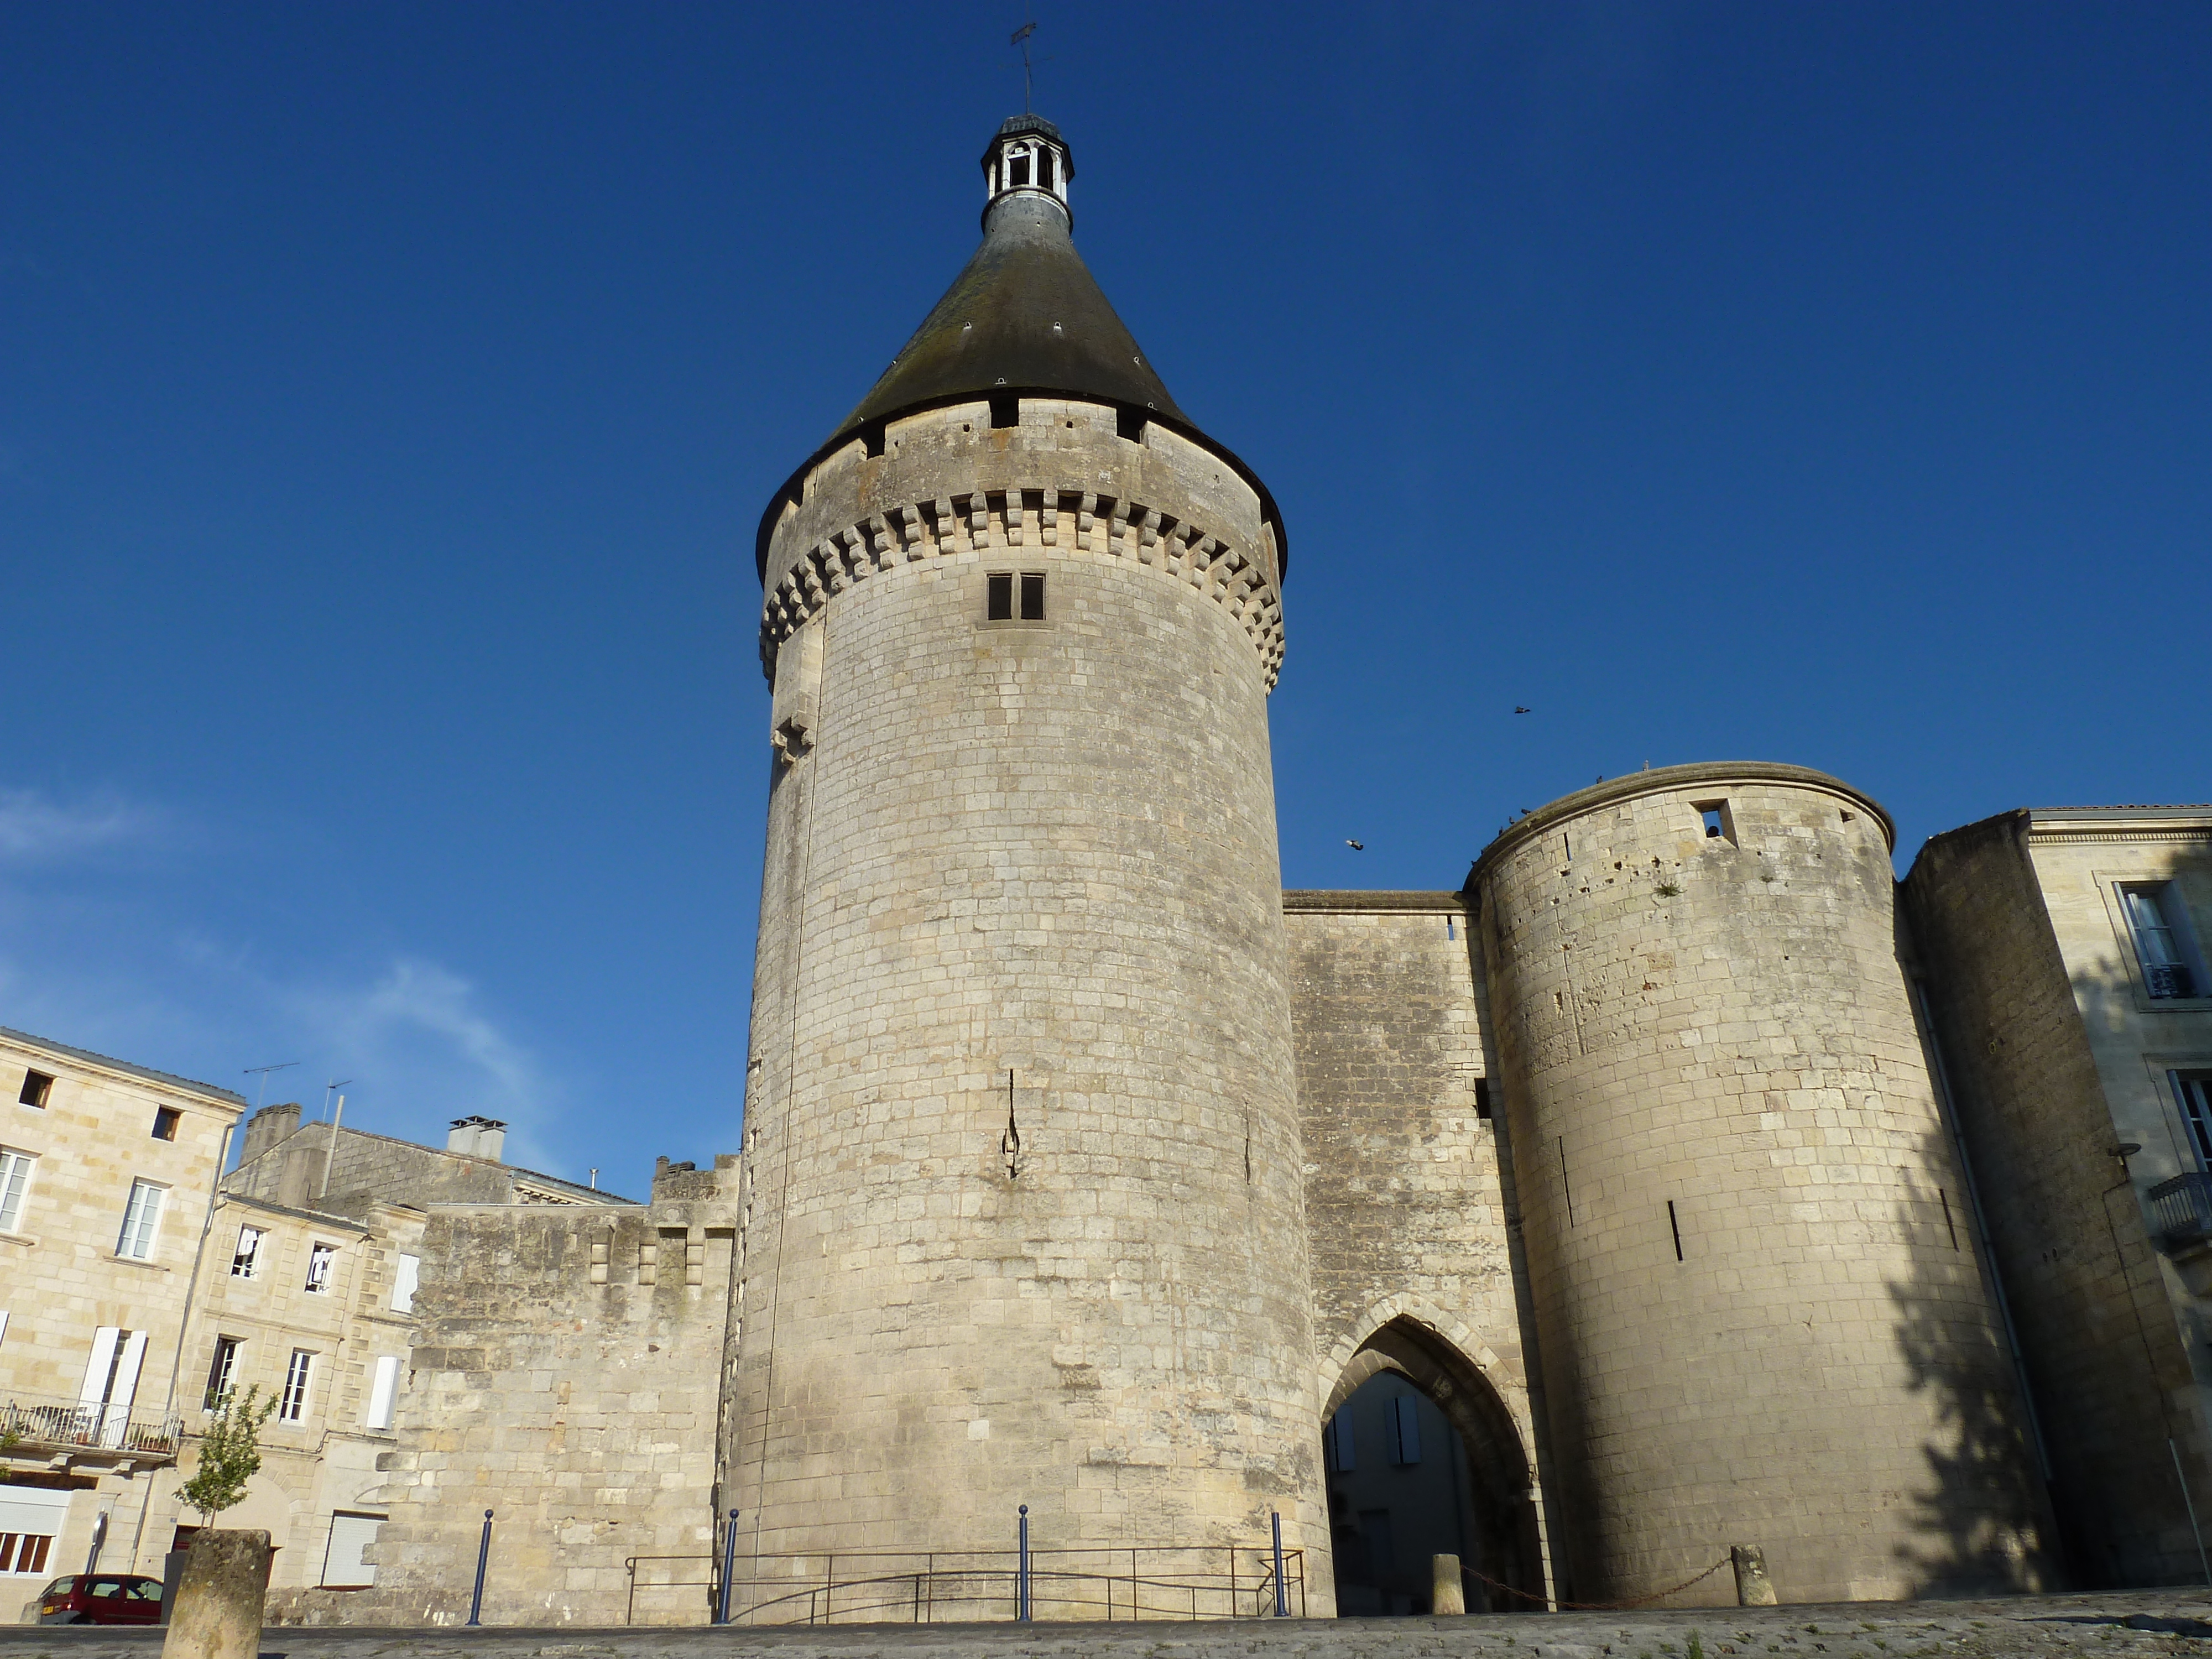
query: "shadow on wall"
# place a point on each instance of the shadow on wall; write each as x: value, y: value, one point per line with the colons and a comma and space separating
x: 1982, y: 1524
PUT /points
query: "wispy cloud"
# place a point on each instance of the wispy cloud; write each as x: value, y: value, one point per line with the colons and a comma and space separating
x: 421, y: 1020
x: 33, y: 827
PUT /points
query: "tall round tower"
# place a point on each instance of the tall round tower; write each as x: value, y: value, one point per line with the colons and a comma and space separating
x: 1025, y: 1221
x: 1750, y: 1253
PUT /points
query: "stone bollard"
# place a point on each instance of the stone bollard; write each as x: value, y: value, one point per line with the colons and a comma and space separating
x: 1753, y: 1588
x: 1448, y: 1594
x: 220, y: 1598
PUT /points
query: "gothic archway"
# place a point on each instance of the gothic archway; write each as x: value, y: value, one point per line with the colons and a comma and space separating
x: 1498, y: 1515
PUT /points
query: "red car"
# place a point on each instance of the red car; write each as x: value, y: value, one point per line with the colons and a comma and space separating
x: 102, y: 1598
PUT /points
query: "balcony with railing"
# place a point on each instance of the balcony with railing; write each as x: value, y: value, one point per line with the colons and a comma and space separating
x: 2182, y: 1207
x: 32, y: 1427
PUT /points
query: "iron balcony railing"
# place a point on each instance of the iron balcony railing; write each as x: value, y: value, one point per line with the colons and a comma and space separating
x: 2183, y: 1208
x: 51, y: 1426
x: 2169, y: 979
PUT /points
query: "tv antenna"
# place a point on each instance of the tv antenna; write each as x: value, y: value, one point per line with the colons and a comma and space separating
x: 262, y: 1072
x: 1021, y: 38
x: 330, y: 1089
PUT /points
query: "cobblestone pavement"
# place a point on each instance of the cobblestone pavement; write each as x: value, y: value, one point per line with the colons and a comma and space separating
x: 2134, y: 1622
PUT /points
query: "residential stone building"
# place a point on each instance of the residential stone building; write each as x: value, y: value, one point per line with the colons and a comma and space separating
x: 107, y: 1170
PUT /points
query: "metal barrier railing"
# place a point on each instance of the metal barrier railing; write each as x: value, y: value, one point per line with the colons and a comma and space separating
x: 925, y: 1587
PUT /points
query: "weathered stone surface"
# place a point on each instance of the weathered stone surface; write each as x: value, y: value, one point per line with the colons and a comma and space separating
x: 1027, y: 1210
x: 2056, y: 1057
x: 219, y: 1597
x: 1761, y: 1313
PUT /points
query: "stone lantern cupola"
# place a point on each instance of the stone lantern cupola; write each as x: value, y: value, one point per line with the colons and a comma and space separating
x: 1027, y: 158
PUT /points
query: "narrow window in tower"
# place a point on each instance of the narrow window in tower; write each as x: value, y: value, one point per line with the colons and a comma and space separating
x: 1019, y: 171
x: 1006, y: 410
x: 1482, y: 1097
x: 999, y: 597
x: 1044, y: 169
x: 1674, y: 1226
x: 1128, y: 423
x: 1949, y: 1225
x: 1032, y: 596
x: 1719, y: 822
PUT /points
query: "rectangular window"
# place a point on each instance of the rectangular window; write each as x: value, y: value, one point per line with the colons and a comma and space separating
x: 2193, y: 1090
x: 37, y: 1086
x: 246, y: 1260
x: 404, y: 1277
x: 999, y: 598
x: 24, y: 1552
x: 142, y: 1221
x: 15, y: 1187
x: 1032, y: 596
x: 1719, y: 822
x: 1405, y: 1426
x: 166, y: 1119
x: 2163, y: 946
x: 221, y: 1369
x: 111, y: 1382
x: 381, y: 1390
x: 293, y: 1405
x: 319, y: 1258
x: 1006, y: 410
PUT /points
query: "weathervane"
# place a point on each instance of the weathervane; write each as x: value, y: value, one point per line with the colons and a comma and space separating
x: 1022, y: 40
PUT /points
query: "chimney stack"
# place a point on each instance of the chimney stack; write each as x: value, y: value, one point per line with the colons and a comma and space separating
x: 478, y: 1136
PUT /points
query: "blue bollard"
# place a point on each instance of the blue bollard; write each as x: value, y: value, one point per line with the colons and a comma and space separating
x: 1023, y: 1575
x: 483, y: 1557
x: 729, y: 1566
x: 1282, y: 1591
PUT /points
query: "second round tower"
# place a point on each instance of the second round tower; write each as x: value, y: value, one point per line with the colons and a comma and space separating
x: 1751, y: 1250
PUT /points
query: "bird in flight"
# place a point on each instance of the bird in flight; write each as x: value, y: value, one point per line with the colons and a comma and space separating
x: 1355, y: 846
x: 1521, y: 709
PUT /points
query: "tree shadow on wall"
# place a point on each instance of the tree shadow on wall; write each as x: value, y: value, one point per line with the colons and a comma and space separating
x: 1982, y: 1523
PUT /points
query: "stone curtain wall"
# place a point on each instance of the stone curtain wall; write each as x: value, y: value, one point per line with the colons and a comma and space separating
x: 1406, y: 1196
x: 567, y: 1374
x: 2040, y: 1132
x: 1762, y: 1317
x: 1048, y: 849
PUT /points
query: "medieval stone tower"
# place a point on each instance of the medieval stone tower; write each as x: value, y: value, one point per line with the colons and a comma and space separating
x: 1025, y: 1218
x: 1750, y: 1250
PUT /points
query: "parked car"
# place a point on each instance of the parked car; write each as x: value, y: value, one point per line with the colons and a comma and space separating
x: 101, y: 1598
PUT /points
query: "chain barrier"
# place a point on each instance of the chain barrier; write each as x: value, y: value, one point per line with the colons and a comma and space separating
x: 1550, y: 1606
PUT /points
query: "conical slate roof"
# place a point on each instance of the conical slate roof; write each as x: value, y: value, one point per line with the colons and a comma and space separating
x: 1025, y: 315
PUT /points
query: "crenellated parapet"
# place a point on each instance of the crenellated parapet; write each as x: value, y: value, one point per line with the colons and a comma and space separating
x: 949, y: 484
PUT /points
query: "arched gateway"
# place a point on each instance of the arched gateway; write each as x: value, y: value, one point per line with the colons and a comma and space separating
x: 1497, y: 1504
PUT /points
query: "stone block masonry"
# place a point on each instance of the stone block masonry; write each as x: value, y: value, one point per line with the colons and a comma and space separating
x: 567, y: 1375
x: 1762, y: 1314
x: 1027, y: 1204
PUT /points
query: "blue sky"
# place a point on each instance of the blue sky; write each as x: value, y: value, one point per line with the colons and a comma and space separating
x: 388, y: 392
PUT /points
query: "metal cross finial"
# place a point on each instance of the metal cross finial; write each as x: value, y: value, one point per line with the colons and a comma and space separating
x: 1021, y: 39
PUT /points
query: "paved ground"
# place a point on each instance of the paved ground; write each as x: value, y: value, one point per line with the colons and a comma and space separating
x: 2135, y: 1622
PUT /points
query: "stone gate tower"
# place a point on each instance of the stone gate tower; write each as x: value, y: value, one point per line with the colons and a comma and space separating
x: 1025, y: 1221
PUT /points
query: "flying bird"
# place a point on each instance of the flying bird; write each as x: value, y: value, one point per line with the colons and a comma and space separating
x: 1355, y: 846
x: 1521, y: 709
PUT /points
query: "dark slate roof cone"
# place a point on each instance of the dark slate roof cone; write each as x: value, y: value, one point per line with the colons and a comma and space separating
x: 1026, y: 314
x: 1024, y: 317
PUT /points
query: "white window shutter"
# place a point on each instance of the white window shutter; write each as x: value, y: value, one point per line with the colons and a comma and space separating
x: 95, y: 1370
x: 381, y: 1391
x: 403, y: 1277
x: 116, y: 1419
x: 343, y: 1567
